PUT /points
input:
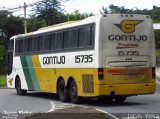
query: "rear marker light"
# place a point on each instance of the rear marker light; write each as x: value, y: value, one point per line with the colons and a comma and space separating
x: 100, y: 74
x: 153, y: 73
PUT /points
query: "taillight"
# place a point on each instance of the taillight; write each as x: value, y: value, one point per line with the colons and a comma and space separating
x: 153, y: 73
x: 100, y: 74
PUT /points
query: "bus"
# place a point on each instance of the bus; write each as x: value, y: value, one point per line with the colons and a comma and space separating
x: 108, y: 56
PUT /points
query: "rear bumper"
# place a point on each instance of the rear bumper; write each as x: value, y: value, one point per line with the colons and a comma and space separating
x: 125, y: 89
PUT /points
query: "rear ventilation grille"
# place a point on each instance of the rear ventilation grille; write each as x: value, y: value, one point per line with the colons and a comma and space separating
x: 88, y: 83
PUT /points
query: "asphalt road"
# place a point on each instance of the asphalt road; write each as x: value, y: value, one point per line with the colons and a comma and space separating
x: 33, y: 102
x: 42, y: 102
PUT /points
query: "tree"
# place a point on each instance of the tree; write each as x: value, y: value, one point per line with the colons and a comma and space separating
x: 9, y: 26
x: 34, y: 24
x: 2, y: 58
x: 104, y: 10
x: 155, y: 14
x: 49, y: 10
x: 76, y: 15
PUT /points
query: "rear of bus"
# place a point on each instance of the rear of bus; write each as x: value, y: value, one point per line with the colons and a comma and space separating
x: 126, y: 56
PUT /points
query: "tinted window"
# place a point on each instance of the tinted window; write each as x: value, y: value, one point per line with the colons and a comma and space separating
x: 74, y: 38
x: 53, y: 39
x: 17, y: 46
x: 59, y: 41
x: 47, y: 42
x: 77, y: 38
x: 82, y: 37
x: 66, y: 39
x: 9, y: 62
x: 30, y: 44
x: 40, y: 38
x: 35, y: 44
x: 90, y: 36
x: 21, y: 46
x: 26, y: 45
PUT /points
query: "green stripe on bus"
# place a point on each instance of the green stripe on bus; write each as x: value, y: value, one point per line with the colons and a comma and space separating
x: 32, y: 73
x: 27, y: 73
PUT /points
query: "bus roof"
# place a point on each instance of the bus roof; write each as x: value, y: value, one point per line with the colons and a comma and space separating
x: 56, y: 25
x: 69, y: 24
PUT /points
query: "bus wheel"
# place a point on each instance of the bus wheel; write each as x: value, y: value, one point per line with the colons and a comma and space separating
x: 18, y: 87
x: 73, y: 91
x: 62, y: 91
x: 120, y: 99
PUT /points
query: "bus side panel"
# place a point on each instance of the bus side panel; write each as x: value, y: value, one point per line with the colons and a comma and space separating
x: 48, y: 77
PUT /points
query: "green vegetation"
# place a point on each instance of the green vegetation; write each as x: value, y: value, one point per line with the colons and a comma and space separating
x: 3, y: 82
x: 102, y: 116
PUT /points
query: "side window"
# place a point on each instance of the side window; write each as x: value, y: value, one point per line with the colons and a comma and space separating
x: 17, y: 46
x: 40, y: 39
x: 59, y: 41
x: 66, y: 39
x: 35, y: 44
x: 30, y: 44
x: 81, y: 37
x: 25, y: 45
x: 21, y: 46
x: 90, y: 36
x: 74, y: 38
x: 53, y: 41
x: 47, y: 42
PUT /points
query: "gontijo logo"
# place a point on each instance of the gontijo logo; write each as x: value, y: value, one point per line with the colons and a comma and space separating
x: 128, y: 26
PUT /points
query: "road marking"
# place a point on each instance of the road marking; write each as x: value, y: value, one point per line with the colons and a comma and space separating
x: 52, y: 108
x: 107, y: 113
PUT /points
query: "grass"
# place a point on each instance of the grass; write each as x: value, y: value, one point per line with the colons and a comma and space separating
x: 3, y: 81
x: 102, y: 116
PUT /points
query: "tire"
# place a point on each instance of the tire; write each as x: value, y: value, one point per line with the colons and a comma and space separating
x: 62, y: 91
x: 120, y: 99
x: 74, y: 93
x: 18, y: 87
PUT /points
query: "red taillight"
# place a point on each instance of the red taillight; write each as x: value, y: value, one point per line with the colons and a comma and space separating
x: 100, y: 74
x: 153, y: 73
